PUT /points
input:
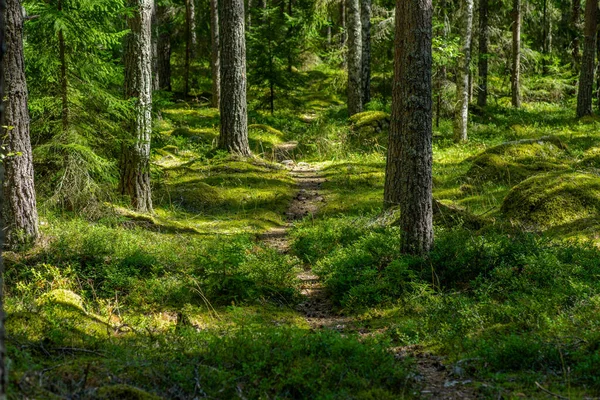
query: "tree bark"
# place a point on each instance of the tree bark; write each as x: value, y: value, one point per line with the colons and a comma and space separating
x: 216, y: 58
x: 3, y: 369
x: 354, y: 58
x: 575, y: 26
x: 155, y: 76
x: 461, y: 117
x: 19, y: 210
x: 365, y: 17
x: 135, y: 165
x: 164, y: 16
x: 343, y: 22
x: 484, y: 40
x: 586, y: 76
x: 516, y: 48
x: 409, y: 164
x: 190, y: 43
x: 234, y: 109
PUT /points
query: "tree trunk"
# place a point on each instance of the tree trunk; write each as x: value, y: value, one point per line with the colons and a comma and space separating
x: 64, y: 84
x: 586, y: 77
x: 575, y: 22
x: 19, y: 208
x: 216, y: 58
x: 461, y: 117
x: 234, y: 109
x: 190, y: 43
x: 484, y: 40
x: 3, y: 369
x: 516, y: 48
x: 164, y: 47
x: 135, y: 165
x: 249, y: 15
x: 365, y: 18
x: 343, y: 22
x: 354, y: 58
x: 409, y: 164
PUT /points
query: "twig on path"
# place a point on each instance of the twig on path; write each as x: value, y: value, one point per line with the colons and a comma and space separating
x: 543, y: 389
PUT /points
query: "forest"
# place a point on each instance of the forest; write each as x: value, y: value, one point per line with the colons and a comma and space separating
x: 300, y: 199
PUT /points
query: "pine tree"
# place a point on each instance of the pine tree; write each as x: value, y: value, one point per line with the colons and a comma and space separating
x: 515, y: 82
x: 3, y: 369
x: 233, y: 107
x: 408, y: 180
x: 135, y: 163
x: 355, y: 87
x: 19, y: 206
x: 461, y: 117
x: 365, y: 19
x: 215, y: 52
x: 586, y: 77
x: 484, y: 41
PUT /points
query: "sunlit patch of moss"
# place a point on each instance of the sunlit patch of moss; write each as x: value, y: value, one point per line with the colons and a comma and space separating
x: 553, y: 199
x: 515, y: 161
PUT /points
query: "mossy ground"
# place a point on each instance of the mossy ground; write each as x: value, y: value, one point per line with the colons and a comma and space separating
x: 187, y: 303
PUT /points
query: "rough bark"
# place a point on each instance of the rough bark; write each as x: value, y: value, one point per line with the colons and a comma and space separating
x: 461, y: 117
x: 164, y: 16
x: 233, y: 106
x: 365, y: 18
x: 516, y: 50
x: 190, y: 43
x: 3, y: 369
x: 354, y: 57
x: 586, y: 76
x: 19, y: 210
x: 484, y: 40
x: 216, y: 58
x: 135, y: 165
x: 408, y: 172
x: 575, y: 26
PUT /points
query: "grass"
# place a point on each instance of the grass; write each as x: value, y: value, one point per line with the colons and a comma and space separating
x: 188, y: 303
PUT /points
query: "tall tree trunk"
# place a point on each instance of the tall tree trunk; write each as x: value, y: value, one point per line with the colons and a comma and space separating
x: 409, y: 163
x: 64, y: 84
x: 365, y: 18
x: 343, y: 22
x: 190, y: 43
x: 216, y: 58
x: 19, y: 210
x: 575, y: 26
x: 547, y: 35
x: 586, y: 77
x: 598, y: 69
x: 234, y: 109
x: 164, y: 16
x: 3, y: 369
x: 516, y: 49
x: 461, y: 117
x: 484, y: 40
x: 354, y: 58
x: 135, y: 165
x: 249, y: 15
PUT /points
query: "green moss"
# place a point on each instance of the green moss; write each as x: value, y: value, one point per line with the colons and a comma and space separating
x: 266, y: 128
x: 62, y: 297
x: 552, y: 199
x: 512, y: 162
x: 124, y: 392
x: 369, y: 118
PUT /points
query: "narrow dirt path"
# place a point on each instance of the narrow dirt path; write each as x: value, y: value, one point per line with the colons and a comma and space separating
x: 316, y: 307
x: 436, y: 380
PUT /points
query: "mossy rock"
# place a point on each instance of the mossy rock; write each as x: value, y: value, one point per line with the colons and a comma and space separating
x: 62, y: 297
x: 122, y: 392
x: 591, y: 158
x: 513, y: 162
x: 552, y: 199
x: 375, y: 119
x: 193, y: 196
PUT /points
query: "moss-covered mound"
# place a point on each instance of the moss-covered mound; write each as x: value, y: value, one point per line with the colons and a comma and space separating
x: 118, y: 392
x: 553, y: 199
x: 513, y: 162
x: 370, y: 122
x: 192, y: 195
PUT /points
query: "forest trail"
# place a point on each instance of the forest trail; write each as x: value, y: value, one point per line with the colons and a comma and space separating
x: 437, y: 380
x: 316, y: 307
